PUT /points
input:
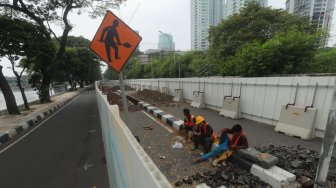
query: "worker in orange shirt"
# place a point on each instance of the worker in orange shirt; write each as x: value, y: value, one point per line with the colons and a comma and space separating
x: 203, y: 134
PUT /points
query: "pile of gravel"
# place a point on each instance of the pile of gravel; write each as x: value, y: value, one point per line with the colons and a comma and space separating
x: 229, y: 176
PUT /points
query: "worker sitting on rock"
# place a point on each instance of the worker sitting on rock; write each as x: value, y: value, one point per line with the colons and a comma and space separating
x: 237, y: 141
x: 223, y: 146
x: 189, y: 123
x: 203, y: 134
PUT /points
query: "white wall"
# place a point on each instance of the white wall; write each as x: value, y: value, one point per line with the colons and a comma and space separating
x: 261, y: 98
x: 128, y: 165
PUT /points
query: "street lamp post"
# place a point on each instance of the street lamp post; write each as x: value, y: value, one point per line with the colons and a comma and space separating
x: 171, y: 47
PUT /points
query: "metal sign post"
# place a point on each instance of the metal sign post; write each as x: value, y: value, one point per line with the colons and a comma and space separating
x: 123, y: 96
x: 327, y: 145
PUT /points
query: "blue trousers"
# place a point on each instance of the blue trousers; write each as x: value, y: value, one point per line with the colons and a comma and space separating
x: 218, y: 150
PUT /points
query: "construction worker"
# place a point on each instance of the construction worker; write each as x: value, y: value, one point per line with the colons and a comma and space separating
x: 188, y: 124
x: 223, y: 146
x: 237, y: 141
x: 203, y: 134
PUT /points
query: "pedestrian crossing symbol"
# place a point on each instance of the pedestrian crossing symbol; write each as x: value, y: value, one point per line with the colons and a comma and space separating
x: 114, y: 41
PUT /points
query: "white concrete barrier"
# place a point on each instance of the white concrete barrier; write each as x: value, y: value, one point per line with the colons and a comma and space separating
x: 275, y: 176
x: 128, y: 165
x: 178, y: 95
x: 165, y: 90
x: 230, y: 107
x: 198, y: 99
x: 297, y: 121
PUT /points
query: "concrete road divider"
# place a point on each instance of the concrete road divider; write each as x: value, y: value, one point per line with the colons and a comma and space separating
x: 297, y: 121
x: 264, y: 160
x: 230, y: 107
x: 198, y: 99
x: 178, y: 95
x: 275, y: 176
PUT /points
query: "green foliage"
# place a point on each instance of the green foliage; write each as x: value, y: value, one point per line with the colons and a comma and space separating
x: 324, y: 61
x: 191, y: 64
x: 20, y: 38
x: 253, y: 24
x: 286, y: 53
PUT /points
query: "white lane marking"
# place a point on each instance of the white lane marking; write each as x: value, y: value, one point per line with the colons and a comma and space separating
x: 86, y: 166
x: 6, y: 148
x: 92, y: 131
x: 162, y: 125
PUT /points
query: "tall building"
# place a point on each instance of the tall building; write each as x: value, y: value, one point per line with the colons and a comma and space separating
x: 319, y: 11
x: 207, y: 13
x: 233, y: 6
x: 166, y: 42
x: 204, y: 14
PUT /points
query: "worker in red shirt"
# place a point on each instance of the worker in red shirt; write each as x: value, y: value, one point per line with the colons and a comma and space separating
x: 188, y: 124
x: 238, y: 140
x: 203, y: 134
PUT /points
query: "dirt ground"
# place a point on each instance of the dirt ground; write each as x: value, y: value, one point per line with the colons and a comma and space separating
x: 154, y: 97
x: 176, y: 164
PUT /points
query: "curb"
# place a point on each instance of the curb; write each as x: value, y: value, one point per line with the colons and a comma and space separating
x: 33, y: 121
x: 275, y: 176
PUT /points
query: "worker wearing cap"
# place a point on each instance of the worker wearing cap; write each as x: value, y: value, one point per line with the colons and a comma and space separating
x: 203, y: 134
x: 188, y: 124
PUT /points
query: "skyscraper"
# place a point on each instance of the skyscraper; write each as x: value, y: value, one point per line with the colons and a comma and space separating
x: 233, y: 6
x: 319, y: 11
x: 166, y: 42
x: 204, y: 13
x: 207, y: 13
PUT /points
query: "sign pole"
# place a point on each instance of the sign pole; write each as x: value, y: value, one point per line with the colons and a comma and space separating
x: 123, y: 96
x: 327, y: 145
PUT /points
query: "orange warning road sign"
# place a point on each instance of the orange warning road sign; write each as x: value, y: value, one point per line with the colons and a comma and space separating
x: 114, y: 41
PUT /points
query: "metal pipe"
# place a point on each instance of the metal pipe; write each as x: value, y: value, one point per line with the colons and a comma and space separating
x: 312, y: 104
x: 327, y: 145
x: 123, y: 96
x: 296, y: 91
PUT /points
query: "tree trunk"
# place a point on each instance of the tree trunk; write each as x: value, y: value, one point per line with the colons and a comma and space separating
x: 18, y: 80
x: 8, y: 95
x: 81, y: 84
x: 44, y: 90
x: 25, y: 101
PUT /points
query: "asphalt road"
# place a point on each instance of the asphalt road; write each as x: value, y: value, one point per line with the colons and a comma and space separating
x: 66, y: 151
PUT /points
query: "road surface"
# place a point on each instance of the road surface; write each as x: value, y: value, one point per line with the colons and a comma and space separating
x: 66, y: 151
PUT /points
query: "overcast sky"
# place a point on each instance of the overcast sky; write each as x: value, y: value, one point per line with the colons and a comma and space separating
x: 148, y: 17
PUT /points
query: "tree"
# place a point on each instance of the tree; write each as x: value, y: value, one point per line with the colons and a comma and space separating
x: 18, y: 76
x: 286, y: 53
x: 82, y: 64
x: 20, y: 39
x: 79, y: 62
x: 324, y: 61
x: 17, y: 38
x: 253, y: 24
x: 44, y: 12
x: 8, y: 95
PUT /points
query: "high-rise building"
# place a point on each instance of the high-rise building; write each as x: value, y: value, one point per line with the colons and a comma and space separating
x: 319, y: 11
x: 166, y: 42
x: 204, y: 14
x: 233, y: 6
x: 207, y: 13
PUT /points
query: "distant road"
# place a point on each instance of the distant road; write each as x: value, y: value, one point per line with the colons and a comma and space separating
x: 65, y: 152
